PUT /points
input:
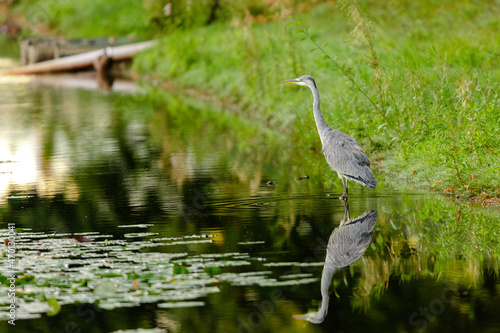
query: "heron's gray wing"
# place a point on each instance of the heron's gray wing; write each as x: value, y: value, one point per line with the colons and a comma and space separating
x: 345, y: 156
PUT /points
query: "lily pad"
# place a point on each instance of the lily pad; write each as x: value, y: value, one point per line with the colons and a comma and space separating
x: 105, y: 288
x: 125, y: 272
x: 55, y: 307
x: 170, y: 305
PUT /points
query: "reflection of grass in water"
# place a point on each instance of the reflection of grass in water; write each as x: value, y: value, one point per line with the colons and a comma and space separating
x: 255, y: 151
x: 437, y: 241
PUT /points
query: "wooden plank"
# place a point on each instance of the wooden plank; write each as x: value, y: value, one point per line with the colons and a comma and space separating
x: 82, y: 60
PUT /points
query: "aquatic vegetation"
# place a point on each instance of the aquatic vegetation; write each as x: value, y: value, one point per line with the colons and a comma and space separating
x: 53, y: 270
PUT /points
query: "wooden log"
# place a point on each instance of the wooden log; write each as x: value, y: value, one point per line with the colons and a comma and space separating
x: 82, y: 60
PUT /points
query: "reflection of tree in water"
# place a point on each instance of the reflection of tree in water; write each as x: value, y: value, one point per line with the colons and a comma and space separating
x: 347, y: 243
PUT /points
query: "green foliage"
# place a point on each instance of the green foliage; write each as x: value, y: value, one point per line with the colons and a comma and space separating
x: 94, y: 18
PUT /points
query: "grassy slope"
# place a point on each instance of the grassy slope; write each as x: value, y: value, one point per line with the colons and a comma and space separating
x: 432, y: 72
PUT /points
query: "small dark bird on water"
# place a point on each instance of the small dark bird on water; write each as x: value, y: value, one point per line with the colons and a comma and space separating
x: 342, y: 153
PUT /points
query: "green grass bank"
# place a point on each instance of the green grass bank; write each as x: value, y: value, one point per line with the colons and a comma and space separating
x: 425, y: 103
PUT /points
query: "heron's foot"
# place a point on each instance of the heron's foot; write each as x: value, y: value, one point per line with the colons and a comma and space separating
x: 343, y: 197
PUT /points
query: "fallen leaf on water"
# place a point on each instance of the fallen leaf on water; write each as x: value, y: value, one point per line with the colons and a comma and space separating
x: 55, y: 307
x: 82, y: 239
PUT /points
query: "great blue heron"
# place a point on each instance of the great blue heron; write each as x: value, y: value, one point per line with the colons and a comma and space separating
x: 347, y: 243
x: 342, y: 153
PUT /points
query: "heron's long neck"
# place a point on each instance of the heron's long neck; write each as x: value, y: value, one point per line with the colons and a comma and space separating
x: 318, y: 116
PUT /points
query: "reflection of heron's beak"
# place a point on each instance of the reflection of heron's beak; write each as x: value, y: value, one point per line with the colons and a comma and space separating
x: 310, y: 317
x: 296, y: 81
x: 300, y: 316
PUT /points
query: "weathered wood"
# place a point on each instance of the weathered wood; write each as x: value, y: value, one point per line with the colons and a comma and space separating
x: 102, y: 66
x: 41, y: 50
x: 82, y: 60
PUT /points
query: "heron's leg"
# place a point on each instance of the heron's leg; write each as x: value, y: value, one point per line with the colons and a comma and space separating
x: 346, y: 189
x: 346, y: 213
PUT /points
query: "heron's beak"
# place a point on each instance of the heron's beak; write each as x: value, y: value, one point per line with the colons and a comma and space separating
x: 296, y: 81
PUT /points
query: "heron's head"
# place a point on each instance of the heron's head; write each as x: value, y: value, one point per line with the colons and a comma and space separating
x: 304, y: 80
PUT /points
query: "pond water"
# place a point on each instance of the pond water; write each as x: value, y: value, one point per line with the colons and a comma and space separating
x: 152, y: 211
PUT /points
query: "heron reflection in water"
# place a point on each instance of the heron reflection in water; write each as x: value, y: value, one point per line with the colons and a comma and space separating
x: 347, y: 243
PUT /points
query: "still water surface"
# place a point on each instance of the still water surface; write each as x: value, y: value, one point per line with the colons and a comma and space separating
x: 141, y: 211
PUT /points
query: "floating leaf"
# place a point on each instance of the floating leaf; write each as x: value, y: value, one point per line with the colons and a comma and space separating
x: 4, y: 280
x: 82, y: 239
x: 178, y: 269
x: 180, y: 305
x: 212, y: 270
x: 110, y: 275
x: 143, y: 225
x: 54, y: 305
x: 143, y: 330
x: 105, y: 288
x: 25, y: 279
x: 140, y: 234
x: 251, y: 243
